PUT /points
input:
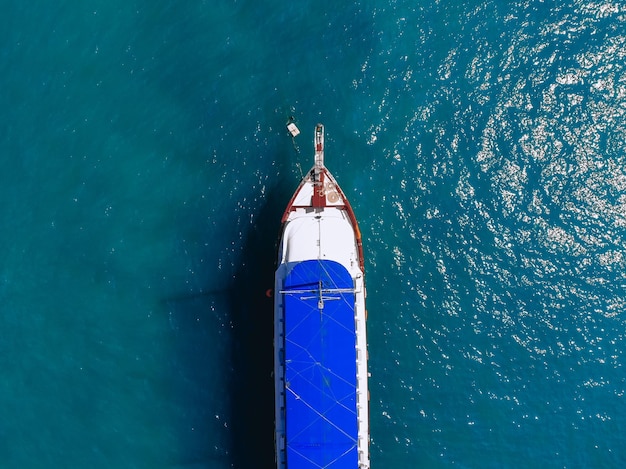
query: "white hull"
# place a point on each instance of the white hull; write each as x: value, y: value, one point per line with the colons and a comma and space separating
x: 319, y: 224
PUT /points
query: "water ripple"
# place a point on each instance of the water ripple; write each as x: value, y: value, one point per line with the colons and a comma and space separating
x: 510, y: 186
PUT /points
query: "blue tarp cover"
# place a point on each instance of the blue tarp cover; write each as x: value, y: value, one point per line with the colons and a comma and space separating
x: 320, y: 367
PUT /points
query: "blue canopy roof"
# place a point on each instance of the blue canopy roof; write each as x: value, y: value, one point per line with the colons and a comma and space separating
x: 320, y: 366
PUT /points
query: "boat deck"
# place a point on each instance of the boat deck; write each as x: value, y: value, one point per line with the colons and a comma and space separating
x: 320, y: 343
x: 320, y: 373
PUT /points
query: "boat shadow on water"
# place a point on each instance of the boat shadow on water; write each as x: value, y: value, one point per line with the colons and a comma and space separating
x: 223, y: 370
x: 252, y: 386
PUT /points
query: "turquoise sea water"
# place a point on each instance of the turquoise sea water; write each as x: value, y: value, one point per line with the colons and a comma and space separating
x: 145, y: 166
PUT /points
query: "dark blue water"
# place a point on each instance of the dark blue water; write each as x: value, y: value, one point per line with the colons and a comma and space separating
x: 145, y: 166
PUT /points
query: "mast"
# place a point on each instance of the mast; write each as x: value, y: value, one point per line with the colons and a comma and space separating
x: 319, y: 146
x: 319, y: 193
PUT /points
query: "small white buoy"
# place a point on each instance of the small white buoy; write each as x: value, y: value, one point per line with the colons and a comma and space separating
x: 293, y: 130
